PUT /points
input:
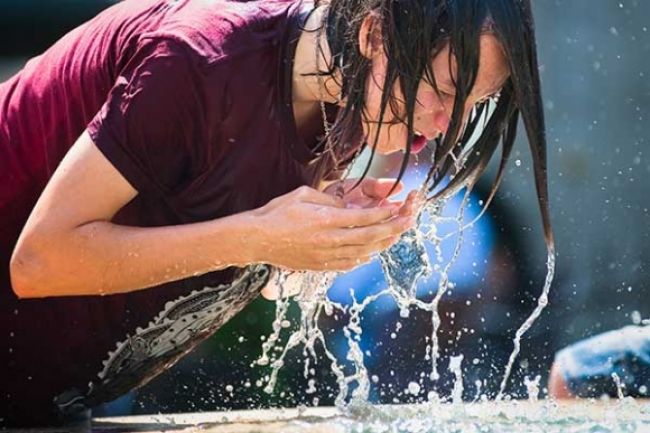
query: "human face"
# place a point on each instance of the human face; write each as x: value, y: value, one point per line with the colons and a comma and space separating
x: 433, y: 109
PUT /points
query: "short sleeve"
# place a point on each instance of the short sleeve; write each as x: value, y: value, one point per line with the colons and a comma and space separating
x: 154, y: 125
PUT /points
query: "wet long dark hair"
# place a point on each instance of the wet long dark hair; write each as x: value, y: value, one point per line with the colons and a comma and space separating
x: 415, y: 30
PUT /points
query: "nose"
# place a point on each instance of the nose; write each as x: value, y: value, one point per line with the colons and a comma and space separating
x: 440, y: 122
x: 442, y: 119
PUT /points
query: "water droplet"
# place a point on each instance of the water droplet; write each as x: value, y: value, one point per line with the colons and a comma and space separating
x: 414, y: 388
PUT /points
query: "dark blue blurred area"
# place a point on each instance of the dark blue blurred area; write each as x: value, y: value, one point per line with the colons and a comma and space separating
x: 595, y: 73
x: 27, y: 27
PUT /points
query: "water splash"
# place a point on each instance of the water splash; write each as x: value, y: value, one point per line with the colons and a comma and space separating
x: 503, y: 417
x: 434, y: 213
x: 455, y: 366
x: 313, y: 302
x: 404, y: 265
x: 619, y: 386
x: 478, y: 384
x: 542, y: 301
x: 532, y: 388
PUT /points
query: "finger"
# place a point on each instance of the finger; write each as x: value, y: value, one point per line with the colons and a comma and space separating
x: 310, y: 195
x: 408, y: 208
x: 356, y: 251
x: 360, y: 217
x: 391, y: 203
x: 333, y: 186
x: 363, y: 202
x: 381, y: 188
x: 371, y: 234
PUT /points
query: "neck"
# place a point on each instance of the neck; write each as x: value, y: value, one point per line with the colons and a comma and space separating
x: 313, y: 55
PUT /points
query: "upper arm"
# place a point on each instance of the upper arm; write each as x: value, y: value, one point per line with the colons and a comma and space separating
x: 149, y: 137
x: 85, y: 187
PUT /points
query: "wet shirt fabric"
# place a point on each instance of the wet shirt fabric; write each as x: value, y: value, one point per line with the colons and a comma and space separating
x: 590, y: 366
x: 190, y: 101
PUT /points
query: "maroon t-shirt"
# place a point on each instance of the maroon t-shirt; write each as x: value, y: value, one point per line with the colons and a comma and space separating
x: 190, y: 101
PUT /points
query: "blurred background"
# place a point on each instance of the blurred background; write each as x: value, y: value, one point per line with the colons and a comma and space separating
x: 595, y: 71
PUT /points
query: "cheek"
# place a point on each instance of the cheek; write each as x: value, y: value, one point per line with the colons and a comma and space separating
x: 374, y: 88
x: 426, y: 109
x: 428, y: 101
x: 391, y: 137
x: 373, y: 102
x: 375, y: 91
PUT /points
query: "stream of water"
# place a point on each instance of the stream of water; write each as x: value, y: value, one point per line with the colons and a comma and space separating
x: 404, y: 265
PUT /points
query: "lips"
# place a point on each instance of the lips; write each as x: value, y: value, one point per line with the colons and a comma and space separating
x: 419, y: 143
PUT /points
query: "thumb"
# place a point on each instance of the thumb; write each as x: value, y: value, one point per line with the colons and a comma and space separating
x: 310, y: 195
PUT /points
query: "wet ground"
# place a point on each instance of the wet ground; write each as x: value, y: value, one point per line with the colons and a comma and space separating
x: 614, y: 416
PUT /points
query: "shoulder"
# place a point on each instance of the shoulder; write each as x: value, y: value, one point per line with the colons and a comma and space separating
x: 219, y: 29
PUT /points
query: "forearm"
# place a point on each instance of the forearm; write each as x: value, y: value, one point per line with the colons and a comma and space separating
x: 101, y: 258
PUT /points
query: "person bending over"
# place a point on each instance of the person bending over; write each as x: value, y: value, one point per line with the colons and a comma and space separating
x: 159, y: 161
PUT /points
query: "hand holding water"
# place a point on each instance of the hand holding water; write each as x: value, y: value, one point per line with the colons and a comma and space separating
x: 370, y: 193
x: 373, y: 192
x: 311, y: 230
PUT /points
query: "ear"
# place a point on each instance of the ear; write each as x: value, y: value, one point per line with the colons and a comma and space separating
x: 370, y: 42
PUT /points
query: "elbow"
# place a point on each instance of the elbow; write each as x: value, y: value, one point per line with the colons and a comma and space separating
x: 26, y: 271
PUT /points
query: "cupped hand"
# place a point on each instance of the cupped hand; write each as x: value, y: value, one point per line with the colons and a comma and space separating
x: 308, y: 229
x: 365, y: 193
x: 373, y: 192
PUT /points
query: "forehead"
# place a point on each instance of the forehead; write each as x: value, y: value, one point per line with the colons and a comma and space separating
x: 493, y: 68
